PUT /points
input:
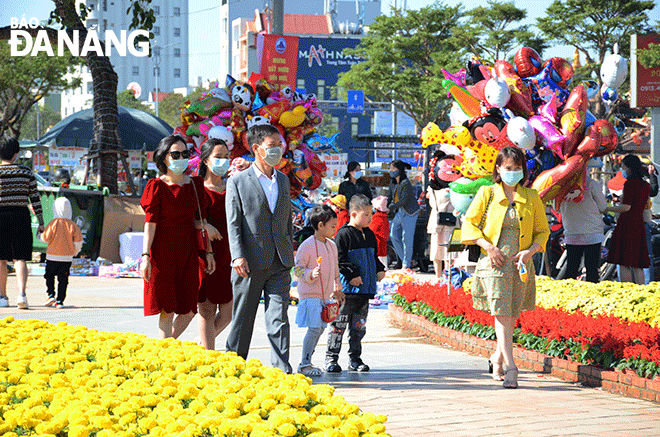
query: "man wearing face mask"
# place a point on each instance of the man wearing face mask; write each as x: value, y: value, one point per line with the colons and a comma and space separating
x: 261, y: 244
x: 354, y: 183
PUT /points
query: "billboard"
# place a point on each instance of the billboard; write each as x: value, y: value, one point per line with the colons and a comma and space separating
x: 277, y: 56
x: 644, y: 82
x: 323, y: 59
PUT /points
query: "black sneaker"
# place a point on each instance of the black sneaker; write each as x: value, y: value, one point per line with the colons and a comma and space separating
x: 333, y: 367
x: 358, y: 366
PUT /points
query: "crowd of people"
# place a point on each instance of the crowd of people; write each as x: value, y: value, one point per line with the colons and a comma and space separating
x: 242, y: 245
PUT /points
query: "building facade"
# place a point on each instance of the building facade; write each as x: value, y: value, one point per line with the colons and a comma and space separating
x: 169, y: 60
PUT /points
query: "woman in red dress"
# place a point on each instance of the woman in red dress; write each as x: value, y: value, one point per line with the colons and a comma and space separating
x: 169, y: 263
x: 215, y: 292
x: 628, y: 246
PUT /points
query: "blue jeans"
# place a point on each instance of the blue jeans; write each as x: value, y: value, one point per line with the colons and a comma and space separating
x: 649, y: 272
x: 402, y: 233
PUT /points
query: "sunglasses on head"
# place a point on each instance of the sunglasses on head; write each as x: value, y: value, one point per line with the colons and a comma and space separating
x: 177, y: 155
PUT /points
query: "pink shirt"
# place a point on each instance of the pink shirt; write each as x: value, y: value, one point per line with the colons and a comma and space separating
x: 306, y: 261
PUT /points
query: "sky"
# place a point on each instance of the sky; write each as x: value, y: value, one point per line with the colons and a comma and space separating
x: 203, y: 15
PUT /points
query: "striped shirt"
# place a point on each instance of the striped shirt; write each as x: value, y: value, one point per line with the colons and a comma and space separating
x: 18, y: 186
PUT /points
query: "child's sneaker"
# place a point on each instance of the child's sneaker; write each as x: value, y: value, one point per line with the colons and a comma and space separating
x: 59, y: 305
x: 4, y: 301
x: 358, y: 366
x: 49, y: 302
x: 21, y: 301
x: 332, y: 367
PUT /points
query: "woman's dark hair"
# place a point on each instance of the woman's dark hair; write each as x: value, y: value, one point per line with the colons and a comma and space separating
x: 163, y: 148
x: 320, y: 214
x: 517, y: 156
x: 8, y: 148
x: 205, y: 152
x: 634, y: 164
x: 351, y: 167
x: 402, y: 167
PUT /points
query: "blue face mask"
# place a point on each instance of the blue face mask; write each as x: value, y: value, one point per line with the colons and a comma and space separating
x: 624, y: 174
x: 178, y: 166
x: 394, y: 173
x: 219, y: 166
x: 357, y: 174
x: 511, y: 177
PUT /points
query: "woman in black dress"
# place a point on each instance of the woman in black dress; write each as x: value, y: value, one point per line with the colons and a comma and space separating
x: 354, y: 183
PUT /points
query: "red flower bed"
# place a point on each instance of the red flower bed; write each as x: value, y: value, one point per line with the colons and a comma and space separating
x: 604, y: 340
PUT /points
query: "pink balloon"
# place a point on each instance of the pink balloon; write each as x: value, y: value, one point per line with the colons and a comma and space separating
x: 543, y: 124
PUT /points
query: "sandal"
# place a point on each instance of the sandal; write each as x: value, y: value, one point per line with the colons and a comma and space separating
x: 496, y: 368
x: 511, y: 378
x: 310, y: 371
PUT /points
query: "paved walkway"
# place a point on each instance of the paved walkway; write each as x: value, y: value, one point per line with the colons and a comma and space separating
x: 424, y: 389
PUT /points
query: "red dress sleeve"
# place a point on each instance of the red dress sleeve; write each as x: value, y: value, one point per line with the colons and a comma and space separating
x: 150, y: 201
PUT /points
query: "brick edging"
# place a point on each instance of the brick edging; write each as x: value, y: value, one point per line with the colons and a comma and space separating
x: 626, y: 383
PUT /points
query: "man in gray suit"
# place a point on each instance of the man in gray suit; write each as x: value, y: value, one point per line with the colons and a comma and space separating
x: 261, y: 244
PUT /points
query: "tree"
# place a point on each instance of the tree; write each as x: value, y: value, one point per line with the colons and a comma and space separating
x: 594, y: 26
x: 402, y: 57
x: 127, y: 98
x: 494, y: 36
x: 37, y: 122
x: 24, y: 80
x: 650, y: 58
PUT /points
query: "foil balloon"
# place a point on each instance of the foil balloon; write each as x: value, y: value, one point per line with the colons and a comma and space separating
x: 561, y: 72
x: 546, y: 130
x: 294, y: 117
x: 458, y: 78
x: 317, y: 142
x: 223, y: 133
x: 592, y: 88
x: 614, y: 70
x: 431, y: 134
x: 528, y: 62
x: 456, y: 115
x: 470, y: 105
x: 487, y: 128
x: 241, y: 96
x: 609, y: 95
x: 573, y: 118
x: 609, y: 138
x: 475, y: 72
x: 462, y: 192
x: 496, y: 92
x: 521, y: 133
x: 543, y: 87
x: 590, y: 118
x: 520, y: 100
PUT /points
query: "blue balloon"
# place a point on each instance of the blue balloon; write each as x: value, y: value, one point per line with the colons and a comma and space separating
x: 589, y: 119
x: 543, y: 87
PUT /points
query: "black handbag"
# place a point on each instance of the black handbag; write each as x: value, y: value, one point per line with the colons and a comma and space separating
x: 446, y: 219
x: 474, y: 250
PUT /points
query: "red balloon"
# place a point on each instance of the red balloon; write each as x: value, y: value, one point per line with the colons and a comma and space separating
x: 528, y: 62
x: 610, y: 138
x: 562, y: 71
x: 521, y: 97
x: 573, y: 118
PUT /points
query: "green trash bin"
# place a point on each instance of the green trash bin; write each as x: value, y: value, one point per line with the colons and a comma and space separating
x: 87, y: 213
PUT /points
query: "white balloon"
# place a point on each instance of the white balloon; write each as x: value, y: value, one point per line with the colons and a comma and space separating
x: 614, y: 70
x: 222, y: 133
x: 497, y: 92
x: 521, y: 133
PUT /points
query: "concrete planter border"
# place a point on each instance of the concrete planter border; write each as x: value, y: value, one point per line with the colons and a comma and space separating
x: 626, y: 383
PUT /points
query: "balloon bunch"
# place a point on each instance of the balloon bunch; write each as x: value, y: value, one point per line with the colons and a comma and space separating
x: 528, y: 106
x: 227, y: 113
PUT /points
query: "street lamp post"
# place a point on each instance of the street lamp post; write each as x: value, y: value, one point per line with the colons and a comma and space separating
x: 156, y: 55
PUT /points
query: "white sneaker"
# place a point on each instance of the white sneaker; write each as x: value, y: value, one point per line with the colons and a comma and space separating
x: 21, y: 302
x: 4, y: 301
x: 50, y: 302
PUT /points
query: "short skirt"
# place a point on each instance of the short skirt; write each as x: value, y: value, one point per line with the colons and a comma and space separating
x: 309, y: 313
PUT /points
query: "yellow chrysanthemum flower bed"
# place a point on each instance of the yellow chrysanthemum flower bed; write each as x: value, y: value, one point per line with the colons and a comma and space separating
x: 62, y: 380
x: 637, y: 303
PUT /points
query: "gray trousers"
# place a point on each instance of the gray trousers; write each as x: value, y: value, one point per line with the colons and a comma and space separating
x: 352, y: 315
x: 309, y: 345
x: 275, y: 284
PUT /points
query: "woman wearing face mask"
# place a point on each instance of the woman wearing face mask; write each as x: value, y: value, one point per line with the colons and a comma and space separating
x: 354, y: 183
x: 170, y: 267
x: 215, y: 292
x: 403, y: 202
x: 628, y: 246
x: 508, y: 222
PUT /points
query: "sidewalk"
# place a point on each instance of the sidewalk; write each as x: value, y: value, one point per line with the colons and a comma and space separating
x: 424, y: 389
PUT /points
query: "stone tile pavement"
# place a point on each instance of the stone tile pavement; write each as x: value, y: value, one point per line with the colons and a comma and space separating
x: 423, y: 388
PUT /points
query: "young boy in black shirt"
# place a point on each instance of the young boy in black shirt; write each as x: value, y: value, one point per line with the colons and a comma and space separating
x: 359, y: 270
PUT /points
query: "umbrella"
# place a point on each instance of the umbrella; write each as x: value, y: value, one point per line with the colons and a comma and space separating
x: 136, y: 129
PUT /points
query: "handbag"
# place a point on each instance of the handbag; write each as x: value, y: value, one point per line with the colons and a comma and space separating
x: 474, y: 250
x: 202, y: 236
x: 446, y: 219
x: 330, y: 310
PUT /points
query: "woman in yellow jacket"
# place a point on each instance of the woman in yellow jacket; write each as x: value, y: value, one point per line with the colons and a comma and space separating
x: 514, y: 229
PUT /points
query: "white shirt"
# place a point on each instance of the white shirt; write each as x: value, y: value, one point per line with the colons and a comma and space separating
x: 269, y: 185
x: 583, y: 221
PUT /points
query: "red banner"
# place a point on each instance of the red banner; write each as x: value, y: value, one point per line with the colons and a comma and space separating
x: 279, y: 60
x: 645, y: 82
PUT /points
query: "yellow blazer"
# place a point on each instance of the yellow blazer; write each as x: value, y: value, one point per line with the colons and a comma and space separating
x: 531, y: 211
